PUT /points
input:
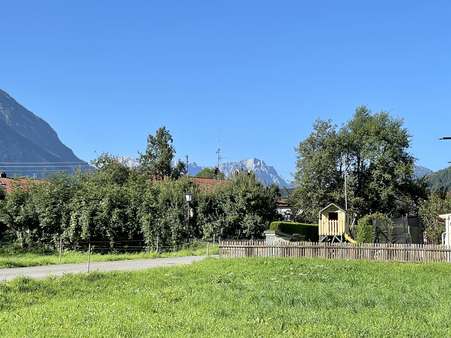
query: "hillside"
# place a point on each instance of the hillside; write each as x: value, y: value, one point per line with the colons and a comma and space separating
x: 421, y: 172
x: 28, y: 144
x: 440, y: 179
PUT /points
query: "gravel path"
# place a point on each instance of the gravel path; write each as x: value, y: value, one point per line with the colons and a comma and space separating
x: 40, y: 272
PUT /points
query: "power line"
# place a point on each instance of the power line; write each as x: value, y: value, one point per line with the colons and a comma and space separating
x: 45, y: 163
x: 44, y: 166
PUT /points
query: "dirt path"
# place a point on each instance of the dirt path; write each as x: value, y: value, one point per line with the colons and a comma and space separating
x: 40, y: 272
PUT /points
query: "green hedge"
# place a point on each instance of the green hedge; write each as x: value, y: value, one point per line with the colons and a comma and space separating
x: 295, y: 231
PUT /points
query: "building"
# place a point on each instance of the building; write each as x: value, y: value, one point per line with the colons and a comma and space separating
x: 208, y: 184
x: 284, y: 209
x: 9, y: 184
x: 446, y: 236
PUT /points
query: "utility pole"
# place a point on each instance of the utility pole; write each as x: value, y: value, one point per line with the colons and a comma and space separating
x: 346, y: 191
x: 345, y: 173
x: 218, y: 152
x: 187, y: 165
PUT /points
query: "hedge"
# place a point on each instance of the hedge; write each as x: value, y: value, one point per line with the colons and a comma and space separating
x: 295, y: 231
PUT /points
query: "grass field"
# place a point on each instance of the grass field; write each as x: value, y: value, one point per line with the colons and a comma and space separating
x: 12, y: 259
x: 240, y: 297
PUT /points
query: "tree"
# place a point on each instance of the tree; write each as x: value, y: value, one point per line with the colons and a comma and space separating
x: 111, y: 168
x: 179, y: 170
x: 372, y: 151
x: 164, y: 214
x: 430, y: 209
x: 156, y: 161
x: 318, y: 177
x: 51, y: 203
x: 213, y: 173
x: 20, y: 217
x: 243, y: 208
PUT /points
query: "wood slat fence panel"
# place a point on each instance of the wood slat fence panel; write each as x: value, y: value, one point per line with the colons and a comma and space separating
x: 377, y: 251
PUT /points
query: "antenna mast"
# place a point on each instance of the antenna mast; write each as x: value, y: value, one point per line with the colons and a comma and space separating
x: 218, y: 152
x: 187, y: 165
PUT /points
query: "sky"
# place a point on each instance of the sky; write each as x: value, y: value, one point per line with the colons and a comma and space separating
x: 250, y: 77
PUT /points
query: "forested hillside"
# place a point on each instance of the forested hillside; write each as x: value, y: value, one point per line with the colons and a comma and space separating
x: 440, y: 180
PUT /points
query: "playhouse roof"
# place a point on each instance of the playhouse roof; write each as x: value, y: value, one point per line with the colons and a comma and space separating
x: 331, y: 205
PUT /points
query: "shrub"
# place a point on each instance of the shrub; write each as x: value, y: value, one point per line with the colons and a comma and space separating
x: 295, y: 231
x: 369, y: 224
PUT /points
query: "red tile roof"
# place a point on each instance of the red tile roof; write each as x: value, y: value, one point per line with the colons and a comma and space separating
x: 208, y: 183
x: 8, y: 184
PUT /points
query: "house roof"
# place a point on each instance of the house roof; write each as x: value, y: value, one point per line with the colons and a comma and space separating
x: 332, y: 205
x: 8, y: 184
x: 282, y: 203
x: 208, y: 183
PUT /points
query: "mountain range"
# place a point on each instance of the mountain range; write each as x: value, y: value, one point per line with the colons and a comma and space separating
x: 28, y: 145
x: 266, y: 174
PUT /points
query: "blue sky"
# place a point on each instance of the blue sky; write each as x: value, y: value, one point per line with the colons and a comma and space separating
x: 251, y: 76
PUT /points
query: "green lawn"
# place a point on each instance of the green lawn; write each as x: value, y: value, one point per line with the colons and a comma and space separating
x: 236, y: 297
x: 11, y: 258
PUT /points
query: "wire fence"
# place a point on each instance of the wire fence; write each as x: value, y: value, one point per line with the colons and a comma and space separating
x: 130, y: 247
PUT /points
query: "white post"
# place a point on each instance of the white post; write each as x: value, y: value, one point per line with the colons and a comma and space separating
x: 446, y: 236
x: 448, y: 231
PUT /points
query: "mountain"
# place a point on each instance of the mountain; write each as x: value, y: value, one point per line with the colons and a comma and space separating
x: 194, y: 169
x: 28, y: 145
x: 265, y: 174
x: 421, y: 172
x: 440, y: 180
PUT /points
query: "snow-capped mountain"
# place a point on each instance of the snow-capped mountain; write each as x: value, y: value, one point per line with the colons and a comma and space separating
x: 266, y: 174
x: 128, y: 161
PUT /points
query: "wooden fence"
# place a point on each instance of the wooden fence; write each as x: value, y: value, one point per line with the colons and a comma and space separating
x: 377, y: 252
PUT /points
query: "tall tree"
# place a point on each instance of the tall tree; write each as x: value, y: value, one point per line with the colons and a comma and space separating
x: 372, y: 151
x: 156, y: 161
x: 437, y: 203
x: 318, y: 177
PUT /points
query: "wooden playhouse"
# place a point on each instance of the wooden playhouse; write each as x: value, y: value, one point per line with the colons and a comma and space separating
x: 333, y: 224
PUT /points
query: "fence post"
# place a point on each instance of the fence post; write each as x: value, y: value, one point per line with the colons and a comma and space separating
x: 89, y: 257
x: 60, y: 250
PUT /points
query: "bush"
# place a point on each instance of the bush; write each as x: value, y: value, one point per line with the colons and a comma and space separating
x: 115, y: 204
x: 366, y: 228
x: 295, y: 231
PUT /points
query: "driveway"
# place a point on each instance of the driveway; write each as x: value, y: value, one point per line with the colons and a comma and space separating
x: 40, y: 272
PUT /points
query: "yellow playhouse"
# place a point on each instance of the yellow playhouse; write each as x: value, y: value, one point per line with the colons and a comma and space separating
x: 333, y: 224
